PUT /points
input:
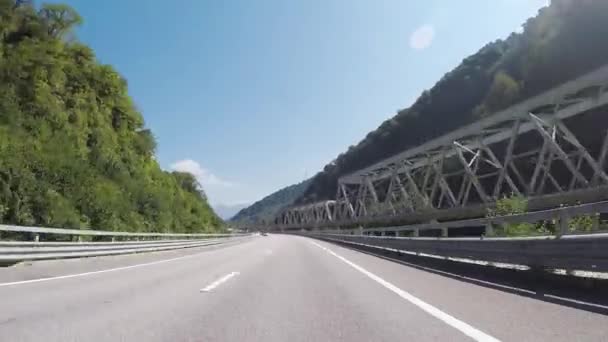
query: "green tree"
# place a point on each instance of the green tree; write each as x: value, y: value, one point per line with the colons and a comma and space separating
x: 59, y: 19
x: 74, y: 151
x: 503, y: 92
x: 513, y: 205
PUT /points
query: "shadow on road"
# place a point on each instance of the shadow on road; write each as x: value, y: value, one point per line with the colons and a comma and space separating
x: 589, y: 294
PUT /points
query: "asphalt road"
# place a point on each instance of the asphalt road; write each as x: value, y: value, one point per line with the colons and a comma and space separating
x: 275, y: 288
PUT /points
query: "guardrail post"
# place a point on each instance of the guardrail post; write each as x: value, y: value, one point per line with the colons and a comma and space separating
x: 113, y: 239
x: 564, y: 220
x: 489, y: 229
x: 595, y: 225
x: 37, y: 238
x: 79, y: 238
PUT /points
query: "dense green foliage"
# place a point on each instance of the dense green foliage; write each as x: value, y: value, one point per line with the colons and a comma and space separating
x: 513, y: 204
x: 510, y: 206
x: 74, y: 151
x: 565, y: 40
x: 265, y: 210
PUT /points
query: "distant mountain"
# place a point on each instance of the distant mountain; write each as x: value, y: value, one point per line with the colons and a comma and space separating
x: 265, y: 209
x: 226, y: 211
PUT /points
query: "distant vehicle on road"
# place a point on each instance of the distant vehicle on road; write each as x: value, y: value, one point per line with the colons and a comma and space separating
x: 264, y: 234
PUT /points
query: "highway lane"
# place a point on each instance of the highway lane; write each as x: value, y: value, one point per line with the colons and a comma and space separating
x: 275, y: 288
x: 54, y: 268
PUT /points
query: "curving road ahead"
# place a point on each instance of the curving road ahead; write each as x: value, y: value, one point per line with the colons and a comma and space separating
x: 275, y: 288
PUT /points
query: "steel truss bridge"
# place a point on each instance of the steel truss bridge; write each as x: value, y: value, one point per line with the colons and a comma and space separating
x: 551, y: 149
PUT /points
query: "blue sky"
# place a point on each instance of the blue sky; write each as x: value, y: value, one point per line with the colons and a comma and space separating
x: 255, y: 95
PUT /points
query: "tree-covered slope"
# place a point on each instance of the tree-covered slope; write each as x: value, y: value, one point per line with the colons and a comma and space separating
x: 267, y: 208
x: 74, y: 151
x: 564, y: 40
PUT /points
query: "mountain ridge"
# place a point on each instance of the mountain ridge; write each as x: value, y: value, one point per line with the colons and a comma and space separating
x: 265, y: 210
x: 500, y: 74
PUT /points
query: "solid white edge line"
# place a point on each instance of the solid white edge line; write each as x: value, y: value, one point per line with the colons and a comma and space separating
x: 566, y: 299
x: 219, y: 282
x: 463, y: 327
x: 461, y: 260
x: 99, y: 272
x: 479, y: 281
x: 507, y: 287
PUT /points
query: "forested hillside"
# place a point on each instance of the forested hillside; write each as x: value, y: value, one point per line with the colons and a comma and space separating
x: 74, y: 151
x: 267, y: 208
x: 563, y: 41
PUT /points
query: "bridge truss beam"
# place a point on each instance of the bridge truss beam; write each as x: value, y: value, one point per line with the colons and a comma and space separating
x: 534, y: 148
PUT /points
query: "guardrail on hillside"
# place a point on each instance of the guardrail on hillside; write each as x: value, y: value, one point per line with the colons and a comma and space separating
x: 16, y: 251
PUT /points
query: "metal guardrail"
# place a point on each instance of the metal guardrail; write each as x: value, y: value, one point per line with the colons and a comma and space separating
x: 89, y: 232
x: 564, y: 250
x: 77, y: 247
x: 574, y: 252
x: 590, y: 200
x: 16, y: 251
x: 561, y: 214
x: 70, y: 243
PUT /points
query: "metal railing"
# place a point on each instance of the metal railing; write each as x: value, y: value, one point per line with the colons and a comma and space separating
x: 561, y: 216
x: 89, y: 232
x: 573, y: 252
x: 16, y: 251
x: 567, y: 248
